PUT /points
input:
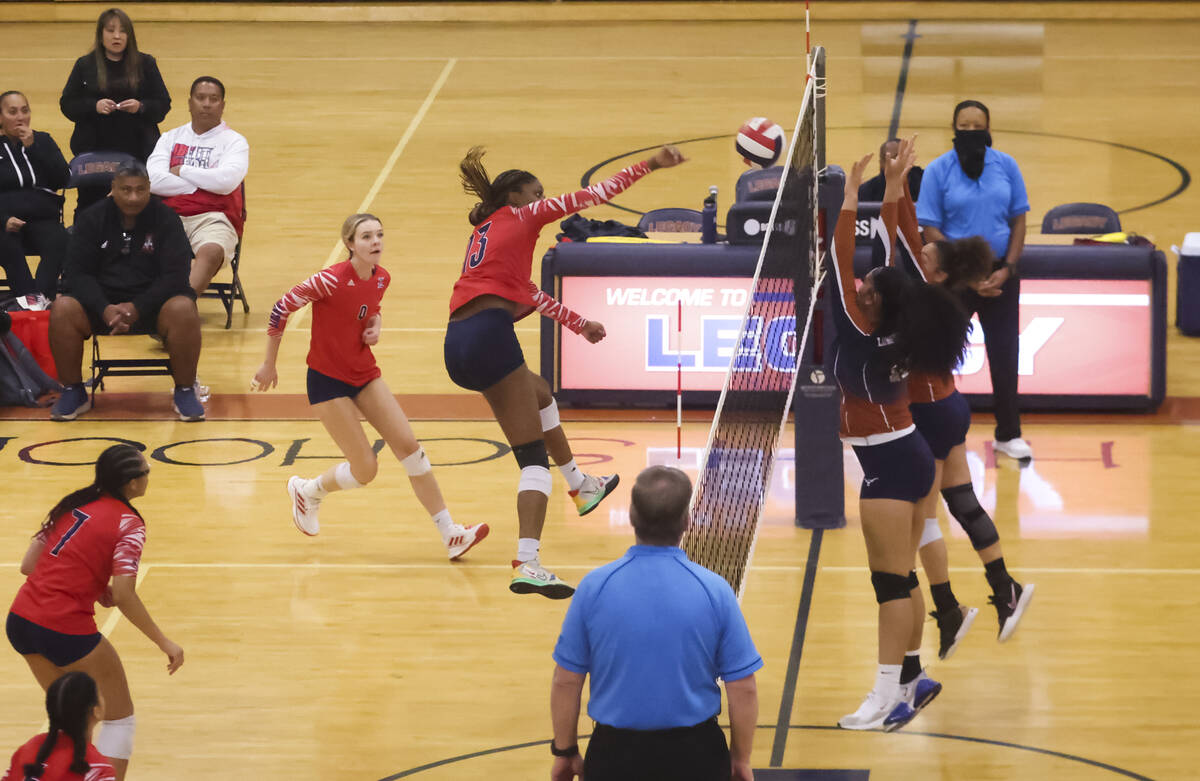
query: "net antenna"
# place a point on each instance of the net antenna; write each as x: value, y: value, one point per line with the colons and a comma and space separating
x: 735, y: 475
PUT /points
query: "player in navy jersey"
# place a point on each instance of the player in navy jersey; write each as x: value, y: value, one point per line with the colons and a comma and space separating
x: 885, y: 329
x: 344, y: 382
x: 88, y: 551
x: 942, y: 417
x: 482, y: 352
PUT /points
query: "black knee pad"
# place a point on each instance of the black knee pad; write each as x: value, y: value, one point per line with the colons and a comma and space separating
x: 913, y: 583
x: 531, y: 454
x: 889, y: 587
x: 974, y: 520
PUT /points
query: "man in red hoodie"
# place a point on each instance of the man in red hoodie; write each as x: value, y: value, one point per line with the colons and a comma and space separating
x: 198, y: 169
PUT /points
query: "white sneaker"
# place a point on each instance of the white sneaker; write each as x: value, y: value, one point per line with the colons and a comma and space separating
x: 593, y: 491
x: 459, y: 539
x: 304, y: 509
x: 1013, y: 448
x: 202, y: 391
x: 879, y: 712
x: 530, y: 577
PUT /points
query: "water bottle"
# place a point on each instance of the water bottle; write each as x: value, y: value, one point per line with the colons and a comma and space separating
x: 708, y: 217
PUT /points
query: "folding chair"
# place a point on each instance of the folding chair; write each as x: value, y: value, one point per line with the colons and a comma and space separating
x: 228, y: 292
x: 123, y: 367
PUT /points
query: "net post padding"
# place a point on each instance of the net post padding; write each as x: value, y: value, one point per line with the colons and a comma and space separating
x: 735, y: 473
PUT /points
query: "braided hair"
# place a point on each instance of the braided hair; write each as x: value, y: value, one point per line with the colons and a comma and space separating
x: 69, y: 702
x: 115, y: 467
x: 492, y: 193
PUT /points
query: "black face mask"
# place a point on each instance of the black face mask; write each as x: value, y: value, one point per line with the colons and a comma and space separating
x: 971, y: 146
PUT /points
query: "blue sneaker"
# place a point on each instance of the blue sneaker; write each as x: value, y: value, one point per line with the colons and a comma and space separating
x: 900, y: 715
x: 187, y: 405
x: 73, y: 402
x: 921, y: 691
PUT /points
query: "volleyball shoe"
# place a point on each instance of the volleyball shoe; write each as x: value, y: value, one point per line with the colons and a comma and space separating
x: 953, y: 625
x: 530, y: 577
x: 459, y: 539
x: 304, y: 508
x: 589, y: 495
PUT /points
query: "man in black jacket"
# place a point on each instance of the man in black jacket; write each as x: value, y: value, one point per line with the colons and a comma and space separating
x: 127, y: 272
x: 872, y: 189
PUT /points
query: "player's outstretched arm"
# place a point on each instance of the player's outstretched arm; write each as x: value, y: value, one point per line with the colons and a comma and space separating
x: 126, y: 599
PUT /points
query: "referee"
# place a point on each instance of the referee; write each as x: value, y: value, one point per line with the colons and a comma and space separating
x: 655, y: 631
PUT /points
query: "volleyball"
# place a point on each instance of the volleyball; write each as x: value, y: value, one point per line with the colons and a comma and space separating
x: 760, y: 142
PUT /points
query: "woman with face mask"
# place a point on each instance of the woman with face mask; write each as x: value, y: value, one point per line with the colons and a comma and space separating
x: 975, y: 190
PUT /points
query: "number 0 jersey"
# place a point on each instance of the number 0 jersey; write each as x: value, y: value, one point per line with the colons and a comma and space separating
x: 500, y: 254
x: 84, y: 549
x: 342, y: 304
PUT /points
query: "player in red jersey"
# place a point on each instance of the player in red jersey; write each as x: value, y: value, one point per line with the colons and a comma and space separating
x: 344, y: 382
x: 65, y: 752
x: 943, y: 417
x: 92, y: 536
x: 482, y: 352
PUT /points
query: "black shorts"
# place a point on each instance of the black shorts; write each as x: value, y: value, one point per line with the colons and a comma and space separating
x: 60, y: 649
x: 943, y: 423
x: 902, y: 469
x: 482, y: 350
x: 697, y: 753
x: 322, y: 387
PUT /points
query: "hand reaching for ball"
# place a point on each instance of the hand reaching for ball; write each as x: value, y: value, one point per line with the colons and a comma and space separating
x: 667, y: 157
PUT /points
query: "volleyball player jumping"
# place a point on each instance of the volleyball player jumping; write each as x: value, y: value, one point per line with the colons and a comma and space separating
x: 344, y: 381
x: 943, y: 417
x: 90, y: 536
x: 482, y: 352
x: 884, y: 329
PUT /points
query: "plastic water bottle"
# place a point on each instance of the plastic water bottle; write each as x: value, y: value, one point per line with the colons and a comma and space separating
x: 708, y: 217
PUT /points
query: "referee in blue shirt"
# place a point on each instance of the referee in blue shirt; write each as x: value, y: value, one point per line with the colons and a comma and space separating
x: 974, y: 190
x: 655, y: 631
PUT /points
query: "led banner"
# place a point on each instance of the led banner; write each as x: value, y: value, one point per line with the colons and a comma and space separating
x: 1078, y: 337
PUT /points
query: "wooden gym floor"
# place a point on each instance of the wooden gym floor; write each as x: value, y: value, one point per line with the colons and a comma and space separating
x: 363, y: 654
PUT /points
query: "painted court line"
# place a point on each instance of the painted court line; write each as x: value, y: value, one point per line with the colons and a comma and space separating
x: 300, y: 318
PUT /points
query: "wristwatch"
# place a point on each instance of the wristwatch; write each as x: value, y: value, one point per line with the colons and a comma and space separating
x: 569, y: 751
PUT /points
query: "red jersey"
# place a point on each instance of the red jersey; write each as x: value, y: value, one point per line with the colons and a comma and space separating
x: 500, y: 253
x: 84, y: 549
x: 342, y: 304
x: 923, y: 388
x: 58, y: 764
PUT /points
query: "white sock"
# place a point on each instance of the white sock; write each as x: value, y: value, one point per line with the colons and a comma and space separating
x: 887, y: 681
x: 572, y: 474
x: 443, y: 521
x: 313, y: 489
x: 527, y: 548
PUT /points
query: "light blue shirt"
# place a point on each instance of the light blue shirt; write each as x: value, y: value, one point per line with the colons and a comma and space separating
x: 959, y: 206
x: 655, y: 631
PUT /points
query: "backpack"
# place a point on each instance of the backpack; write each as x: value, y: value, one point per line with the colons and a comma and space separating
x: 22, y: 381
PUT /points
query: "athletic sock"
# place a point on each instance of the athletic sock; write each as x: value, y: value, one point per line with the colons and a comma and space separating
x: 911, y: 667
x: 572, y: 474
x: 998, y: 577
x: 313, y: 488
x: 887, y: 681
x: 443, y: 521
x: 943, y: 597
x: 527, y: 548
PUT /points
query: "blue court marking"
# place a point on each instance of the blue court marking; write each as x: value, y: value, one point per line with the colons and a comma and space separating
x: 902, y: 82
x: 812, y: 727
x: 793, y: 668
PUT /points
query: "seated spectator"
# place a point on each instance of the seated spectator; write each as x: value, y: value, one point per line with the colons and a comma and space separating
x: 74, y: 708
x: 32, y: 169
x: 126, y: 272
x: 198, y: 170
x: 872, y: 189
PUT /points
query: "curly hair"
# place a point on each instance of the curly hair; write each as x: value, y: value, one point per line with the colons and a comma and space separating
x: 929, y: 323
x: 964, y: 261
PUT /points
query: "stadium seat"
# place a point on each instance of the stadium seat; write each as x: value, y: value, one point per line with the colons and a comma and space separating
x: 1081, y: 218
x: 758, y: 184
x: 670, y: 221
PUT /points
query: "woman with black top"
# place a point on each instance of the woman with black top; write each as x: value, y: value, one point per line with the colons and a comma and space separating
x: 115, y: 96
x: 32, y: 170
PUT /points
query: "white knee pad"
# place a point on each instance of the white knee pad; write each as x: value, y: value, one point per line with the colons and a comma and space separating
x: 417, y: 463
x: 550, y: 419
x: 536, y: 478
x: 933, y: 531
x: 345, y: 478
x: 116, y: 738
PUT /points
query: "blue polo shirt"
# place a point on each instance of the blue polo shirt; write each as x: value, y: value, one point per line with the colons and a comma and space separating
x: 959, y: 206
x: 655, y: 631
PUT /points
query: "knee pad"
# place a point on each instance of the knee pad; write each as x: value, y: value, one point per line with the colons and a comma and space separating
x: 531, y: 454
x: 116, y: 738
x: 416, y: 463
x: 344, y: 477
x: 974, y: 520
x: 933, y: 532
x: 550, y: 419
x: 913, y: 583
x: 536, y: 478
x: 889, y: 587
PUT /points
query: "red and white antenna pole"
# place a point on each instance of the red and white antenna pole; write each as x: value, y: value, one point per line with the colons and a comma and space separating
x: 679, y: 382
x: 807, y: 46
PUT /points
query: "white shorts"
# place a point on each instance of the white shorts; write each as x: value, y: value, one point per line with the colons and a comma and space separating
x: 211, y: 228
